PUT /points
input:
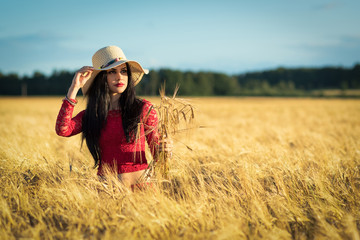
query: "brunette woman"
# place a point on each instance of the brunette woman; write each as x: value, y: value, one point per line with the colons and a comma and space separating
x: 115, y: 123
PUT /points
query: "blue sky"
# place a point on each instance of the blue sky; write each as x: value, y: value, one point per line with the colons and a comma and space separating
x: 224, y: 36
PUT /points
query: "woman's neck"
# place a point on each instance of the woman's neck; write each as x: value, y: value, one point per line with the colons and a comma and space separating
x: 114, y: 101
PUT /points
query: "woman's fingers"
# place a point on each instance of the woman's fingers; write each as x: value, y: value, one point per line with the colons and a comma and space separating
x: 85, y: 70
x: 165, y: 149
x: 82, y: 75
x: 166, y: 145
x: 86, y: 74
x: 166, y: 140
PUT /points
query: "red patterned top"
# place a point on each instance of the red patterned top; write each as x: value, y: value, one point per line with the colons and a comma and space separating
x: 116, y: 153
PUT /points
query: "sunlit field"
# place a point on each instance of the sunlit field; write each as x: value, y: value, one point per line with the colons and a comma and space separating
x: 269, y: 168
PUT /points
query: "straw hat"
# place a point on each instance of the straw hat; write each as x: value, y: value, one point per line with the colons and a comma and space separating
x: 111, y: 57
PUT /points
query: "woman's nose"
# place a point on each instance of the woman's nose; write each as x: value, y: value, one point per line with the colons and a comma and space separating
x: 119, y: 76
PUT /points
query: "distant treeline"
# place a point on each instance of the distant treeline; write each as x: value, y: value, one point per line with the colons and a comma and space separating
x: 277, y: 82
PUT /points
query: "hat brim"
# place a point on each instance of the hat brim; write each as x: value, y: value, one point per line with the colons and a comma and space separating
x: 137, y: 72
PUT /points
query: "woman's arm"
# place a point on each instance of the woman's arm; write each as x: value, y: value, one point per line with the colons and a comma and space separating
x: 151, y: 132
x: 66, y: 125
x: 150, y: 119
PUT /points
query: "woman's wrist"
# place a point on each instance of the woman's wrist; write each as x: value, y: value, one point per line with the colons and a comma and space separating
x: 73, y: 102
x: 73, y: 90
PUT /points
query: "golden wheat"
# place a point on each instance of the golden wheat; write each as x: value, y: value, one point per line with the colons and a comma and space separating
x: 263, y: 168
x: 174, y: 115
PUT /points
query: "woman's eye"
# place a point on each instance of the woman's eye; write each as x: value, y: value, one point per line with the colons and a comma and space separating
x: 123, y: 71
x: 111, y: 72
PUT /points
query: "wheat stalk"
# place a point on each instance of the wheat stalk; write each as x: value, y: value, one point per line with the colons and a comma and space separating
x: 175, y: 115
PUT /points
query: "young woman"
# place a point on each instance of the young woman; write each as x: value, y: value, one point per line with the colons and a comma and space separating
x: 115, y: 123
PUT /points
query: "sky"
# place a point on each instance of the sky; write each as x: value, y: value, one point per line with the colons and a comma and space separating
x: 226, y: 36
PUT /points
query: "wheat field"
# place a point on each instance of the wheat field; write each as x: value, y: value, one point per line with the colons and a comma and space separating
x: 269, y: 168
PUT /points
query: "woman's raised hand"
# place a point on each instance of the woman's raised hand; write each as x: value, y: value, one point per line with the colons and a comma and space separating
x: 80, y: 78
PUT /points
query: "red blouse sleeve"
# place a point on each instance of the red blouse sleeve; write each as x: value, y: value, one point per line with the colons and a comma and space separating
x: 150, y: 120
x: 67, y: 126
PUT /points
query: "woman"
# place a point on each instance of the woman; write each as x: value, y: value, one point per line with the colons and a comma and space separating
x: 115, y: 124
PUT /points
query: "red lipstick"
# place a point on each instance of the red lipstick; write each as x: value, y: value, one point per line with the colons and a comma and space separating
x: 119, y: 84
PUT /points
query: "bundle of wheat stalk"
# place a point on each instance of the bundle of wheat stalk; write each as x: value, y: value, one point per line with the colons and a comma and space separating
x: 175, y: 115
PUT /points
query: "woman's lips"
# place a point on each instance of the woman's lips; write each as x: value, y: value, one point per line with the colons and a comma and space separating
x: 119, y: 84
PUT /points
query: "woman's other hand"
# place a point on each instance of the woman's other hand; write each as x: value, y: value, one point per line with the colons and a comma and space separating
x: 166, y: 145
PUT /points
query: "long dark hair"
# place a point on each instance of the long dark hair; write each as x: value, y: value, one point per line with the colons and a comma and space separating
x: 98, y: 107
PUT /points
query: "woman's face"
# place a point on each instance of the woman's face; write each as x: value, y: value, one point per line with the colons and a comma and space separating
x: 117, y: 79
